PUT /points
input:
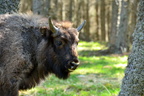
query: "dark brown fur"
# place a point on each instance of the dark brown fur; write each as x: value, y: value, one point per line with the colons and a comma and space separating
x: 29, y: 52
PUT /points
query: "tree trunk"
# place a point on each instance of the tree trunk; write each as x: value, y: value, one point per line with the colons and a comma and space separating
x: 132, y: 19
x: 97, y: 34
x: 114, y: 23
x: 61, y: 10
x: 108, y: 19
x: 86, y: 33
x: 42, y: 7
x: 133, y: 81
x: 37, y: 7
x: 121, y: 42
x: 118, y: 35
x: 25, y: 6
x: 47, y: 6
x: 56, y: 10
x: 78, y: 12
x: 70, y: 9
x: 79, y: 15
x: 102, y: 15
x: 113, y: 32
x: 9, y: 6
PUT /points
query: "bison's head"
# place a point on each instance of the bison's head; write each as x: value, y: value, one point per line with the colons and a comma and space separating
x: 58, y: 51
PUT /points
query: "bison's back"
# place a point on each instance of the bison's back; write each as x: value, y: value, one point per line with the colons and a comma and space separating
x: 18, y: 42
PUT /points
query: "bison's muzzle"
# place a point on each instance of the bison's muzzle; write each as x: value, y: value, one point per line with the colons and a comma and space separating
x: 72, y: 65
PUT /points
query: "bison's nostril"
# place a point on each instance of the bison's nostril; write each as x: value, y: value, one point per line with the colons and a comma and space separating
x: 75, y: 60
x: 73, y: 65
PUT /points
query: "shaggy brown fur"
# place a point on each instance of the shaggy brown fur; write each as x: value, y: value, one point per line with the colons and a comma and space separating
x: 29, y: 52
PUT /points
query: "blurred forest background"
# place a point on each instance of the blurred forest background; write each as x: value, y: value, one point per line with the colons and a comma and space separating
x: 111, y: 21
x: 109, y: 28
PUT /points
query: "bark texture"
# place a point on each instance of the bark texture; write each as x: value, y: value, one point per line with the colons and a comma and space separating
x: 9, y: 6
x: 133, y: 81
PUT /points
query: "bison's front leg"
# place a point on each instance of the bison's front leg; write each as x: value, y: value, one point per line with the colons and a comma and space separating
x: 8, y: 88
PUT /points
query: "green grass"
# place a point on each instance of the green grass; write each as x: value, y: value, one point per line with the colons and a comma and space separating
x: 96, y: 76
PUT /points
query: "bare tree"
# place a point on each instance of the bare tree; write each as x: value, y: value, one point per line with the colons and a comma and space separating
x: 41, y: 7
x: 86, y: 34
x: 102, y: 15
x: 78, y: 12
x: 25, y: 6
x: 133, y: 81
x: 114, y: 23
x: 132, y: 19
x: 70, y: 9
x: 113, y: 32
x: 37, y: 6
x: 87, y: 27
x: 108, y: 19
x: 121, y: 42
x: 97, y: 8
x: 119, y: 31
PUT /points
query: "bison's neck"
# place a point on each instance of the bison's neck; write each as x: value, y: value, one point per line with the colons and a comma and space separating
x: 33, y: 46
x: 31, y: 38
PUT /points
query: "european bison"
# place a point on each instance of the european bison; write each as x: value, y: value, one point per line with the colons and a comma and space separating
x: 30, y: 50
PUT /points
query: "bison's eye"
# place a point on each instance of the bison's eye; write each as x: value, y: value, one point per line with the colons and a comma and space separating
x: 59, y: 43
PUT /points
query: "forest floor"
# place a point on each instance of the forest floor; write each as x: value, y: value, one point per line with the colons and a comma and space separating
x: 96, y: 75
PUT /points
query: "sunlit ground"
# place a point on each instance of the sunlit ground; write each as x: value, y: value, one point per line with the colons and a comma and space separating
x: 91, y: 46
x: 96, y: 76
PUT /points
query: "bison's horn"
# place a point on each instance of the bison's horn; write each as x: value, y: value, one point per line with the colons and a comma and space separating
x: 81, y: 26
x: 52, y: 27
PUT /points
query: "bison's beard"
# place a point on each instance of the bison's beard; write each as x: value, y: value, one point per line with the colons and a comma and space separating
x: 61, y: 73
x: 53, y: 62
x: 60, y: 70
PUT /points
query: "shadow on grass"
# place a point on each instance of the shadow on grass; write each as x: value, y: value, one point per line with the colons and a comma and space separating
x: 98, y: 53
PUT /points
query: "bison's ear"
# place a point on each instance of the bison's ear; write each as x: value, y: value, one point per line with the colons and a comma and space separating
x: 44, y: 31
